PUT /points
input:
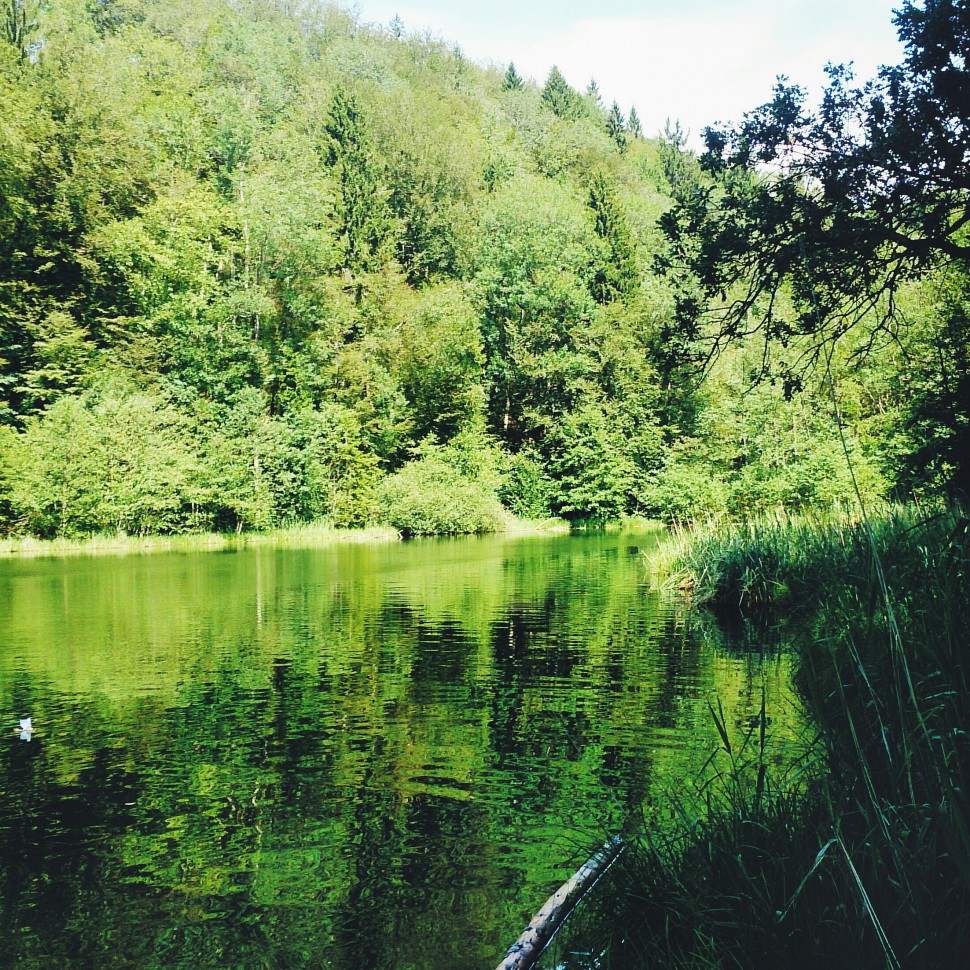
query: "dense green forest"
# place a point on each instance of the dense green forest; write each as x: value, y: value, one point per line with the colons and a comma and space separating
x: 262, y: 263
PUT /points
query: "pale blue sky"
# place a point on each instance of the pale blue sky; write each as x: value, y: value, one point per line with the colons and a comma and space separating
x: 698, y: 61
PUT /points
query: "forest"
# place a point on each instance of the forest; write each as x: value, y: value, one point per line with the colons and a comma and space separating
x: 263, y: 264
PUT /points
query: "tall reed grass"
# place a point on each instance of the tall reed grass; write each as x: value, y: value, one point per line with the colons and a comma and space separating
x: 780, y: 560
x: 859, y: 856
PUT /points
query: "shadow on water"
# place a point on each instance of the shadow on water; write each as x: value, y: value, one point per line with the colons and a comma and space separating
x: 348, y: 757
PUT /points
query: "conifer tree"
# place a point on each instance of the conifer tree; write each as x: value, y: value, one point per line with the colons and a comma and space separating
x: 633, y: 125
x: 363, y: 208
x: 615, y: 125
x: 15, y: 23
x: 679, y: 166
x: 618, y: 275
x: 512, y: 80
x: 557, y: 93
x: 593, y: 93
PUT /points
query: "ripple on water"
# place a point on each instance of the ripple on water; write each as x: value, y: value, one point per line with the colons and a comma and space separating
x: 308, y: 751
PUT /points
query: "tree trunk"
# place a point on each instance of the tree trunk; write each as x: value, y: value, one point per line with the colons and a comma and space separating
x: 539, y: 933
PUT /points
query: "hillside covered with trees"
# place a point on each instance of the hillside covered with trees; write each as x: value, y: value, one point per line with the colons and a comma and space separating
x: 261, y: 263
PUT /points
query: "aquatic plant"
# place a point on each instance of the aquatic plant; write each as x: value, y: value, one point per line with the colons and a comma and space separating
x: 858, y: 854
x: 779, y: 559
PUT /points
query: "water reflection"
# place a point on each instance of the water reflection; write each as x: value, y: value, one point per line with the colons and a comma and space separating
x: 380, y: 756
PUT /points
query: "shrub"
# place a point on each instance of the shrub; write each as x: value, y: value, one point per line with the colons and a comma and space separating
x: 446, y: 490
x: 114, y: 459
x: 526, y: 488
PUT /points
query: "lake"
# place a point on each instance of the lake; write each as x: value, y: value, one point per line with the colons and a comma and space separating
x: 353, y: 756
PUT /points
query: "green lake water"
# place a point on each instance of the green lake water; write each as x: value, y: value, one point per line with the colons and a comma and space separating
x: 359, y: 756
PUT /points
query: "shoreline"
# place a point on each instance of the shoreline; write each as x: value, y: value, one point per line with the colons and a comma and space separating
x: 310, y: 534
x: 28, y: 547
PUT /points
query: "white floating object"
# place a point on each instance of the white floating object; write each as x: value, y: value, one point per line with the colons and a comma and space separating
x: 26, y: 724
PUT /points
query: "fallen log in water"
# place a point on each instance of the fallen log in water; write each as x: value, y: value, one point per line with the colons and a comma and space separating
x: 538, y: 934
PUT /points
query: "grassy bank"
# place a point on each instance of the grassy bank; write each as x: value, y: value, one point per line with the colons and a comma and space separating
x: 785, y: 560
x: 858, y: 856
x: 121, y: 544
x: 310, y: 534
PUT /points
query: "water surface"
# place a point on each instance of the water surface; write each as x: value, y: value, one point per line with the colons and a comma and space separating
x: 373, y: 756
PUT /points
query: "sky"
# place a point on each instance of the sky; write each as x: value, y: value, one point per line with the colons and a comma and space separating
x: 694, y: 61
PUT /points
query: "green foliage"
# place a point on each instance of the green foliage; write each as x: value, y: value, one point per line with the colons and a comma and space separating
x: 363, y: 212
x: 534, y: 268
x: 686, y: 489
x: 749, y: 450
x: 563, y: 100
x: 446, y: 490
x: 437, y: 354
x: 776, y: 560
x: 111, y: 460
x: 8, y: 446
x: 262, y: 471
x: 616, y: 126
x: 816, y: 219
x: 302, y: 224
x: 512, y: 81
x: 929, y: 428
x: 175, y: 266
x: 633, y: 125
x: 527, y: 490
x: 16, y: 21
x: 63, y: 356
x: 339, y: 475
x: 594, y: 473
x: 18, y: 149
x: 680, y: 168
x: 618, y: 275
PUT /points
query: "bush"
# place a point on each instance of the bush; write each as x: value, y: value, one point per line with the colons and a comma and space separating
x: 113, y: 460
x: 447, y: 490
x: 263, y: 471
x: 526, y: 489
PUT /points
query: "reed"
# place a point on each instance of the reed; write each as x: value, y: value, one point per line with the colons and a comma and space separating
x: 858, y: 855
x: 780, y: 560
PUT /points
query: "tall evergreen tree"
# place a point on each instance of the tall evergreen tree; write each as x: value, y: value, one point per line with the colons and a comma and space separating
x: 680, y: 167
x: 559, y: 96
x: 363, y: 208
x: 633, y: 125
x: 15, y: 23
x: 615, y: 125
x: 512, y: 80
x: 593, y: 93
x: 618, y: 276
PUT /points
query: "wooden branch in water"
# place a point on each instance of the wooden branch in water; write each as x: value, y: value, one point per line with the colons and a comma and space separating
x: 528, y: 948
